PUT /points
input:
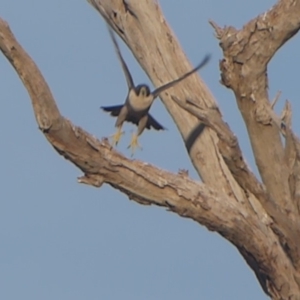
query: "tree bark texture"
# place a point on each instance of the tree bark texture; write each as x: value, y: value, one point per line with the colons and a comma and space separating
x: 261, y: 219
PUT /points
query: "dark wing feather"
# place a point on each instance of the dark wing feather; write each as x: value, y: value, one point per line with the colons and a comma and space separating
x: 128, y: 77
x: 114, y: 110
x: 133, y: 119
x: 159, y: 90
x: 153, y: 123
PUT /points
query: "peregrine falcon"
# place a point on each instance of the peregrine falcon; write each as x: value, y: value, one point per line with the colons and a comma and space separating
x: 138, y: 101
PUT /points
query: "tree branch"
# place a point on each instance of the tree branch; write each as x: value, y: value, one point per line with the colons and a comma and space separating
x: 101, y: 164
x: 230, y: 150
x: 244, y: 70
x: 222, y: 204
x: 246, y: 54
x: 46, y: 112
x: 148, y: 35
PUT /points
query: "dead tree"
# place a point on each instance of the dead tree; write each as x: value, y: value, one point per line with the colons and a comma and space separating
x: 261, y: 219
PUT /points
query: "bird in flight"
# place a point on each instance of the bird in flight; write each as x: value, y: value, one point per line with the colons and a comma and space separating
x: 138, y: 102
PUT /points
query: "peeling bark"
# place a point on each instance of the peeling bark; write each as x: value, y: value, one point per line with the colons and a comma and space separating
x: 260, y: 219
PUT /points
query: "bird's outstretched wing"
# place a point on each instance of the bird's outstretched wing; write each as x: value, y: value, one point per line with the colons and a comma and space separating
x: 205, y: 60
x: 114, y: 110
x: 153, y: 123
x: 128, y: 76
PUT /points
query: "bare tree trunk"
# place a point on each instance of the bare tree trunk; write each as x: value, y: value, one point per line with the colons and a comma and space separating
x: 260, y: 219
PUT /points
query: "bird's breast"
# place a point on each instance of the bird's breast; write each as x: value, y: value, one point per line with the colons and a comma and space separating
x: 138, y: 102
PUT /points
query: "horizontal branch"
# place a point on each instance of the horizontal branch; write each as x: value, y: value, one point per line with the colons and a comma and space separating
x: 102, y: 164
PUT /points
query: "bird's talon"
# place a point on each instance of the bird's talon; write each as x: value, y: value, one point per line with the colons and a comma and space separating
x: 134, y: 144
x: 116, y: 138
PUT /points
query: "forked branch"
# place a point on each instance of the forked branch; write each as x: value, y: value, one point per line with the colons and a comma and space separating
x: 244, y: 70
x: 224, y: 203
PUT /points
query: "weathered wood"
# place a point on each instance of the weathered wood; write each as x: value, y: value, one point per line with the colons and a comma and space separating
x: 260, y: 219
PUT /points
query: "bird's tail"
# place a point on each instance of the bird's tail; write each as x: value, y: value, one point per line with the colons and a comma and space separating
x: 113, y: 110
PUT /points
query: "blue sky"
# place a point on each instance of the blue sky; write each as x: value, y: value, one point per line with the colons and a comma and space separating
x: 63, y: 240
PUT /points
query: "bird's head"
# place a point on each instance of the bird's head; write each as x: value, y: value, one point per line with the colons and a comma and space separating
x: 143, y: 90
